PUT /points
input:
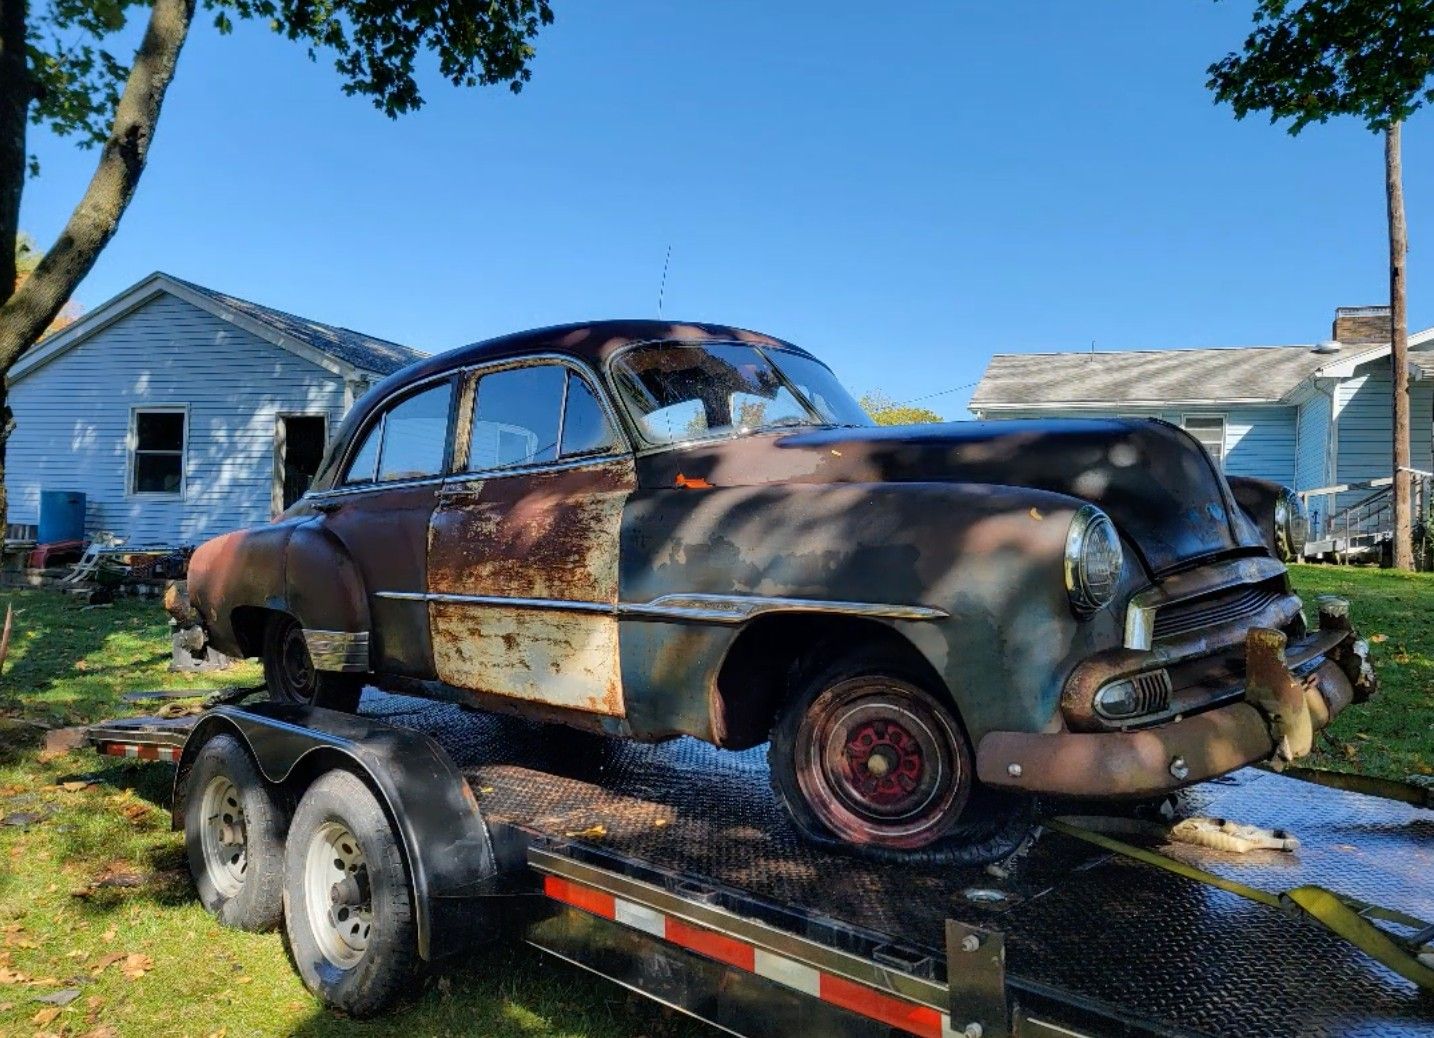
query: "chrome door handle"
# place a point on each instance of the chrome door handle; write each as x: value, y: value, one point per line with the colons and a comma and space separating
x: 327, y: 507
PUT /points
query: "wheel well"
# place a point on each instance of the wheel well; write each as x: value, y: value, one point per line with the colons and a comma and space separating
x: 757, y: 672
x: 248, y: 623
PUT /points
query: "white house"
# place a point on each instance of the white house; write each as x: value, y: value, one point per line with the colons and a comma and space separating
x: 181, y: 412
x: 1308, y: 416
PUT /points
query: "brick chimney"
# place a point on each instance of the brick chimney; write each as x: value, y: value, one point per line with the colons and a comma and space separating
x: 1361, y: 324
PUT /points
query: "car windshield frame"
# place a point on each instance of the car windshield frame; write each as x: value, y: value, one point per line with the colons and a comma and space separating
x: 765, y: 351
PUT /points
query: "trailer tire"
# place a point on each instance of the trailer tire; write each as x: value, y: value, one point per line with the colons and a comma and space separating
x: 347, y: 907
x: 234, y: 837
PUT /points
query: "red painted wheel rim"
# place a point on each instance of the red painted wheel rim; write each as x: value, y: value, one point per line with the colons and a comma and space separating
x: 878, y: 762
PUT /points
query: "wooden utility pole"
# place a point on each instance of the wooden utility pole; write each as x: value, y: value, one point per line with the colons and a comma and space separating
x: 1398, y: 349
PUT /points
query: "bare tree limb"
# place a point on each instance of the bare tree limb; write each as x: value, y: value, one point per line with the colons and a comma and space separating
x: 29, y: 311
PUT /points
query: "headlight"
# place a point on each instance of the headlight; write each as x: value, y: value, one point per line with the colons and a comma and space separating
x: 1292, y: 524
x: 1093, y: 560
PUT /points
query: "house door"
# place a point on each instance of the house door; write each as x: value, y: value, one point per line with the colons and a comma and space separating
x: 522, y: 563
x: 299, y: 441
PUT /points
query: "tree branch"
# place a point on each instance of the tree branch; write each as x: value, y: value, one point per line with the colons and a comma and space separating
x: 14, y: 110
x: 27, y: 313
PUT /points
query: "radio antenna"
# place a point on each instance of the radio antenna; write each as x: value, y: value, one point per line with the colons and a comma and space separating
x: 662, y: 286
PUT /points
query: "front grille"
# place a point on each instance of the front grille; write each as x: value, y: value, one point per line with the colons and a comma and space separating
x: 1152, y: 692
x: 1186, y: 617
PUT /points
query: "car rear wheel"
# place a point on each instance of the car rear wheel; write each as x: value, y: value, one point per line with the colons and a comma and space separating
x: 864, y: 753
x: 347, y: 909
x: 291, y: 676
x: 234, y: 837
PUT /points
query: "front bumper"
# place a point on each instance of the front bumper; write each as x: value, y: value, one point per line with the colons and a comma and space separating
x: 1277, y: 721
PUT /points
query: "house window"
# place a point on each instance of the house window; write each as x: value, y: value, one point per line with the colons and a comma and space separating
x: 1209, y: 429
x: 157, y: 464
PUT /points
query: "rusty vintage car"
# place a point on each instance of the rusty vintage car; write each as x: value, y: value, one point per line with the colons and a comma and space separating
x: 650, y: 530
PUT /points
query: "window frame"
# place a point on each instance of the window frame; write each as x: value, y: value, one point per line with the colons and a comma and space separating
x: 378, y: 421
x: 1224, y: 433
x: 132, y: 453
x: 467, y: 411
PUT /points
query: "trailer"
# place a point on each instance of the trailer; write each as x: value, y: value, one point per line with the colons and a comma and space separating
x: 669, y: 869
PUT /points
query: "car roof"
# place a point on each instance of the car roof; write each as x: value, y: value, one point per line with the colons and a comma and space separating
x: 593, y: 341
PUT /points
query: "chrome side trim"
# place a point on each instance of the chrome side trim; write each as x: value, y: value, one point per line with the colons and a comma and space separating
x: 735, y: 609
x: 721, y: 609
x: 344, y: 651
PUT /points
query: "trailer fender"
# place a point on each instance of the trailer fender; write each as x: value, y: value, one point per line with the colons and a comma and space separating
x: 440, y: 827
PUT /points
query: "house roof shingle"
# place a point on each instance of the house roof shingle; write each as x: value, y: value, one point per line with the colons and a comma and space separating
x: 1228, y: 374
x: 362, y: 351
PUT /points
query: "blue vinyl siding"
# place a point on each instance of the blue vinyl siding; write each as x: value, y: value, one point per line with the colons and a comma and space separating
x: 73, y: 421
x: 1362, y: 408
x: 1259, y: 441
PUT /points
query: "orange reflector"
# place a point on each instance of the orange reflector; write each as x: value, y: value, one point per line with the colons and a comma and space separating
x: 869, y: 1002
x: 713, y: 945
x: 586, y: 898
x: 692, y: 483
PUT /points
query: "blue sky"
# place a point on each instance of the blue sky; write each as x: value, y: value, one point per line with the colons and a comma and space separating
x: 904, y: 189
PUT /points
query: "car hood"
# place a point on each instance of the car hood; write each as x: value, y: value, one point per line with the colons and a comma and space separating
x: 1153, y: 479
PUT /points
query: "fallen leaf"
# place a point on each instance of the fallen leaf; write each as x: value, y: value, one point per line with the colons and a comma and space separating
x: 592, y: 832
x: 82, y: 664
x: 1036, y: 514
x: 75, y: 787
x: 109, y: 935
x: 45, y: 1016
x: 105, y: 962
x: 9, y: 976
x: 136, y: 965
x: 1377, y: 638
x: 102, y: 1031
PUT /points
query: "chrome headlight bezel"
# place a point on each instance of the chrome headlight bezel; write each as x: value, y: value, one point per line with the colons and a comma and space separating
x: 1093, y: 560
x: 1292, y: 525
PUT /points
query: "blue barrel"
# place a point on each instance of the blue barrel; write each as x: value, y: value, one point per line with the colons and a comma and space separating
x: 62, y: 516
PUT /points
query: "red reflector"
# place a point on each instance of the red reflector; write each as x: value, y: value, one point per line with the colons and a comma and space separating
x: 579, y: 896
x: 114, y: 749
x: 713, y: 945
x: 875, y: 1005
x: 148, y: 753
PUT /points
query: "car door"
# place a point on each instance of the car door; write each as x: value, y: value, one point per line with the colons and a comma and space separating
x: 380, y: 511
x: 523, y: 546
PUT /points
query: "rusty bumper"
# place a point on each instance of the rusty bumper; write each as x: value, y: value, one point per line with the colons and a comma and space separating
x: 1281, y: 712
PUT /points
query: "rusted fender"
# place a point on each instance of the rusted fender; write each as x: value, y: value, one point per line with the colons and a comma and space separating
x: 990, y: 557
x: 293, y: 566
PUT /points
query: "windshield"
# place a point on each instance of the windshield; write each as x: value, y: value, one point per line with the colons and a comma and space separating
x: 676, y: 392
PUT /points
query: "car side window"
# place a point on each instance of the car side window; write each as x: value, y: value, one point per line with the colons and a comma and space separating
x: 415, y: 435
x: 515, y: 417
x: 365, y: 460
x: 585, y: 427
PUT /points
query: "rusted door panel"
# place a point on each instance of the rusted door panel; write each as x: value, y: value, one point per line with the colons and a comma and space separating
x: 385, y: 531
x: 544, y: 545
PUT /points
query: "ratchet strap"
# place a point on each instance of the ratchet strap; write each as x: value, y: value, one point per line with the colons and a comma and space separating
x: 1387, y: 789
x: 1345, y: 917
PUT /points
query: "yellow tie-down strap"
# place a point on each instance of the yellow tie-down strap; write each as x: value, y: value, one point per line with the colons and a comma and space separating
x: 1344, y: 916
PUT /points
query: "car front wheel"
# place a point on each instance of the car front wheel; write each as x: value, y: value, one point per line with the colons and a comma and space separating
x: 291, y: 676
x: 864, y: 753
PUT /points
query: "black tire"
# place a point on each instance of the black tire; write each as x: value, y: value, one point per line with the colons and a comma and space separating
x: 357, y: 953
x: 862, y: 752
x: 234, y: 828
x: 291, y: 677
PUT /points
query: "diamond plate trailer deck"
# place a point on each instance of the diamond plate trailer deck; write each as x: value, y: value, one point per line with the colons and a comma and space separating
x: 671, y: 870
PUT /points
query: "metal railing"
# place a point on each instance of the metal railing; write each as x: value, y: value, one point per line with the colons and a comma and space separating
x: 1363, y: 528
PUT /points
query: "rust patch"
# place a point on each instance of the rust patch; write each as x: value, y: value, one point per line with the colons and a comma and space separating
x: 561, y: 659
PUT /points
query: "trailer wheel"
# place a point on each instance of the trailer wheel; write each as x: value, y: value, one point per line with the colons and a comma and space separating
x: 862, y: 752
x: 348, y: 914
x: 291, y: 676
x: 234, y: 837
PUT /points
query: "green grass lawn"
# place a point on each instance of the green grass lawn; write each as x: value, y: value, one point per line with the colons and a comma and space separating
x: 94, y: 893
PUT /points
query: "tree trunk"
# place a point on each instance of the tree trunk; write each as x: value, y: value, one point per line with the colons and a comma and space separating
x: 1398, y: 350
x: 15, y: 94
x: 29, y: 309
